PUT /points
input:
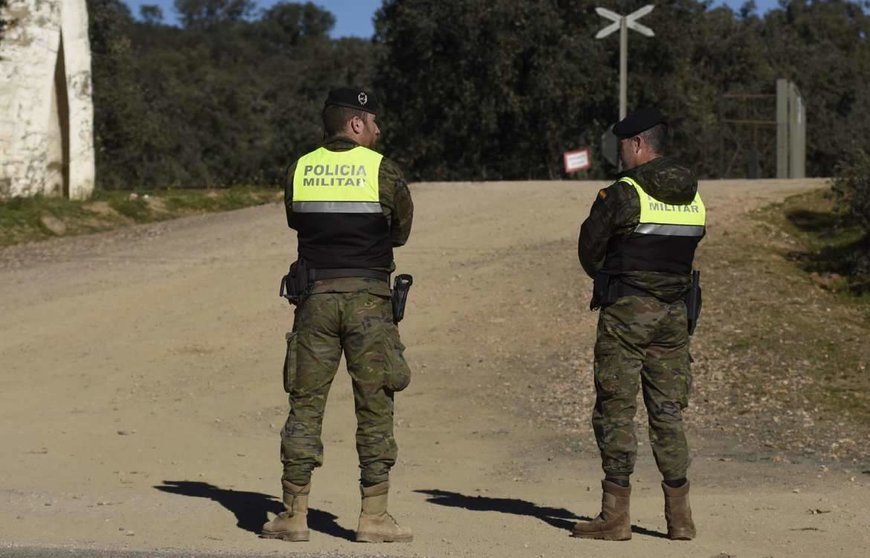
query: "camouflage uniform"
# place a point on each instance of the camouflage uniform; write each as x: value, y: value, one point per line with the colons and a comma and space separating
x: 642, y: 340
x: 353, y: 315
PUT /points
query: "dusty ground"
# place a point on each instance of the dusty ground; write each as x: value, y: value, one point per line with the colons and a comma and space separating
x: 140, y: 392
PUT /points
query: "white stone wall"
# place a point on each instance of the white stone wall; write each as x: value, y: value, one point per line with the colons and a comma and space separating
x: 46, y: 112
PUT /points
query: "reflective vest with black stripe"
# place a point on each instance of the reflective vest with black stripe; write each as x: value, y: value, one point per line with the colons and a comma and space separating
x: 664, y: 239
x: 336, y: 203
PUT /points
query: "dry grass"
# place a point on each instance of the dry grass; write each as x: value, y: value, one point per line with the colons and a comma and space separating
x: 782, y: 356
x: 40, y: 218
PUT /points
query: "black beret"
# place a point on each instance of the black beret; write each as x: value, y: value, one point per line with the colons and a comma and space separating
x: 637, y: 122
x: 352, y: 97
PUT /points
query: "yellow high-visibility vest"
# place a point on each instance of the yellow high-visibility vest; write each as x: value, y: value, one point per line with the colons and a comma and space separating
x: 337, y: 181
x: 660, y: 218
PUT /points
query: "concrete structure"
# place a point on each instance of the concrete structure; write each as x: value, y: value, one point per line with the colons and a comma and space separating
x: 46, y: 112
x: 791, y: 131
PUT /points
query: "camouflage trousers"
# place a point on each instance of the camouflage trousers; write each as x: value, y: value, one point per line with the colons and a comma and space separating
x: 361, y: 325
x: 642, y: 341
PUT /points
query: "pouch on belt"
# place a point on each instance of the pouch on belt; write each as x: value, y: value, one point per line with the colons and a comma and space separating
x: 295, y: 286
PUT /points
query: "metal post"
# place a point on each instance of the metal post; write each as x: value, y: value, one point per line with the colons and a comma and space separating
x: 781, y: 128
x: 623, y: 68
x: 796, y: 134
x: 623, y: 24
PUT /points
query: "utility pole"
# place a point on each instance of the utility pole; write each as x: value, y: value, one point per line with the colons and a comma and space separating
x: 623, y: 24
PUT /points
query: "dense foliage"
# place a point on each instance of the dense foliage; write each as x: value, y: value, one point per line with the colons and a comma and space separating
x: 473, y: 89
x: 222, y: 100
x: 499, y: 89
x: 490, y: 90
x: 2, y: 21
x: 851, y: 184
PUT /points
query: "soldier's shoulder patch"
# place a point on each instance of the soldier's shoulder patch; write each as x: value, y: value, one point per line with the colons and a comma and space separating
x: 602, y: 194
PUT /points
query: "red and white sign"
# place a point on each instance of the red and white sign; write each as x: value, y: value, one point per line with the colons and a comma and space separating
x: 577, y: 160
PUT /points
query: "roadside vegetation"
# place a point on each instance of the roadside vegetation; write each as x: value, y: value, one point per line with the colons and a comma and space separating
x: 2, y: 21
x: 792, y: 309
x: 40, y: 218
x: 833, y: 229
x: 234, y: 92
x: 831, y: 249
x: 852, y: 196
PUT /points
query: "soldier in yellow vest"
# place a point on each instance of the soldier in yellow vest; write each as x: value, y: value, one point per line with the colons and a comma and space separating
x: 638, y: 244
x: 350, y: 207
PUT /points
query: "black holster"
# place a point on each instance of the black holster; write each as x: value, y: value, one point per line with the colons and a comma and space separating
x: 693, y: 301
x: 399, y: 296
x: 603, y: 290
x: 296, y: 285
x: 607, y: 288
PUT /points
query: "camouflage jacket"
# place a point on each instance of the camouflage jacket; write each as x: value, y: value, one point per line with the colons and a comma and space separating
x: 616, y: 212
x: 395, y: 198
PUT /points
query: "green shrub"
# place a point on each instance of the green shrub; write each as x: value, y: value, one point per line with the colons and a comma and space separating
x: 2, y: 21
x: 851, y: 186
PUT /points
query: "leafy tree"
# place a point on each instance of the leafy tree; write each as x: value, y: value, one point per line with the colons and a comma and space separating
x: 472, y: 89
x: 204, y: 13
x: 748, y: 9
x: 489, y: 90
x: 851, y: 185
x: 510, y: 86
x: 120, y: 123
x: 823, y: 47
x: 290, y: 23
x: 151, y: 14
x: 228, y: 102
x: 476, y: 108
x: 2, y: 21
x: 696, y: 57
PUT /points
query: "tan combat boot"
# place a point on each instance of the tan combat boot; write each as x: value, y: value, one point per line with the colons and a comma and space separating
x: 375, y: 524
x: 292, y: 524
x: 613, y: 523
x: 678, y: 513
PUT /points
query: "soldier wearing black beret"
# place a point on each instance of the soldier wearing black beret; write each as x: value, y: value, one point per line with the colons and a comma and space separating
x: 352, y: 98
x: 638, y: 244
x: 350, y: 207
x: 638, y: 122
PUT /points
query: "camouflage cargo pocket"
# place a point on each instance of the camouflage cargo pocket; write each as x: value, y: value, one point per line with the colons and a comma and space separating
x: 686, y: 385
x: 398, y: 373
x: 290, y: 361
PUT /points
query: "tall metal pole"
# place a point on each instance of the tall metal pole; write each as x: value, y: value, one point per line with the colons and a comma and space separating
x: 624, y: 23
x: 623, y: 67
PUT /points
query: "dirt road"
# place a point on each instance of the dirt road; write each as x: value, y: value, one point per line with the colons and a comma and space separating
x: 140, y: 396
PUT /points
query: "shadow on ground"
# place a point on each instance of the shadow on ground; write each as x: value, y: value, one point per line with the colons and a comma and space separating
x: 250, y: 508
x: 844, y: 250
x: 557, y: 517
x: 823, y: 222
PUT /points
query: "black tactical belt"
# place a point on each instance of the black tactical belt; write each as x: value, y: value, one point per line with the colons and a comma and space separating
x: 338, y: 273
